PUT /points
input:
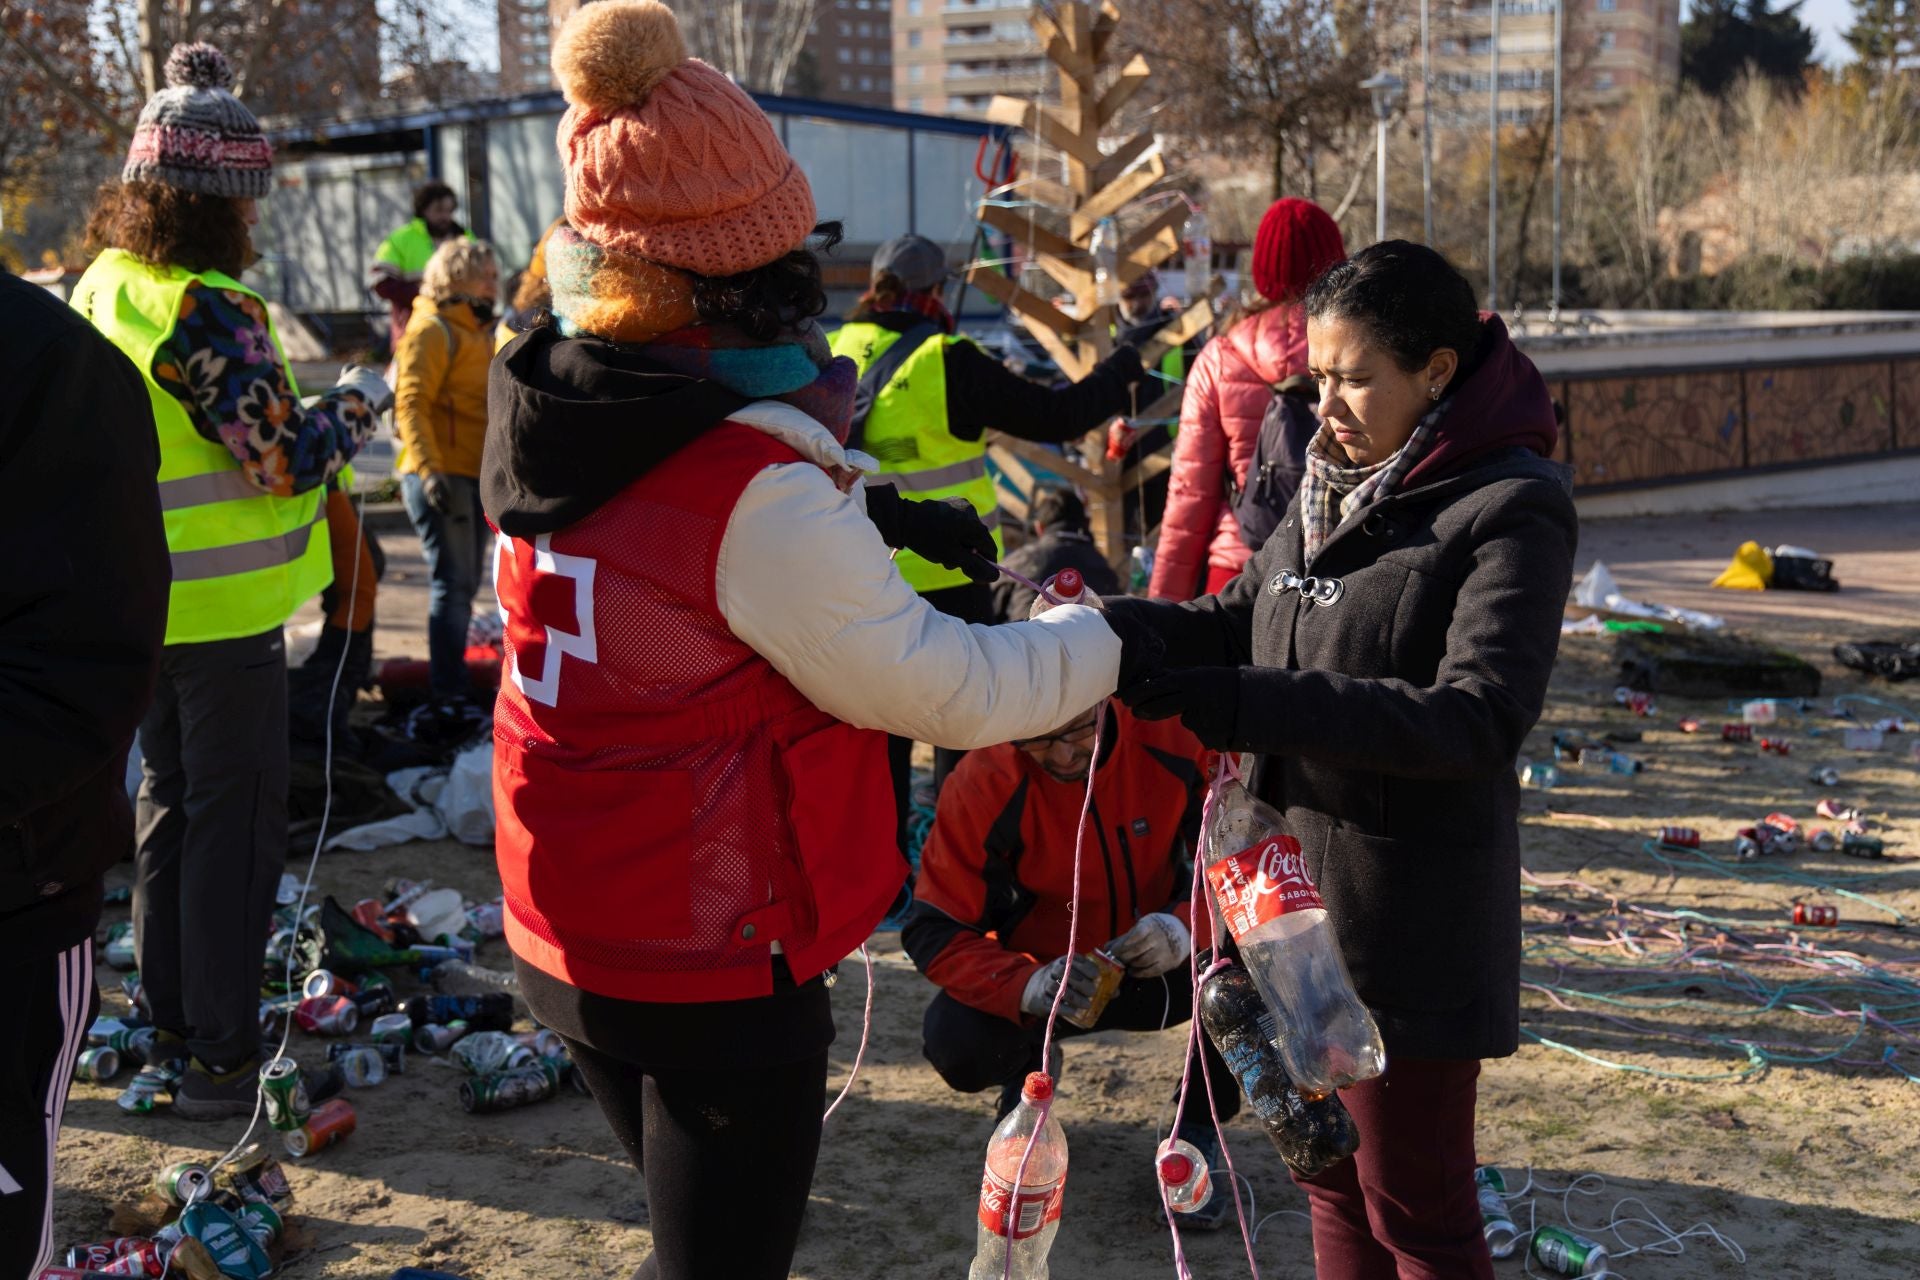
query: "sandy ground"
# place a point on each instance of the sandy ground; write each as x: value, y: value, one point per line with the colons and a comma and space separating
x: 1808, y: 1167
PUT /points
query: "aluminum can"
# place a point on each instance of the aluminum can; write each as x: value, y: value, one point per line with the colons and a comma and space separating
x: 73, y: 1273
x: 1689, y: 725
x: 1747, y: 846
x: 362, y: 1066
x: 327, y: 1016
x: 136, y: 1099
x: 1838, y: 812
x: 1816, y: 914
x: 1496, y: 1219
x: 431, y: 1038
x: 134, y: 1043
x: 283, y: 1091
x: 125, y: 1256
x: 183, y: 1182
x: 1781, y: 831
x: 97, y: 1066
x: 1824, y: 777
x: 545, y: 1042
x: 1106, y: 986
x: 259, y: 1178
x: 1821, y: 840
x: 1859, y: 846
x: 1641, y: 704
x: 504, y: 1090
x: 1621, y: 762
x: 330, y: 1122
x: 119, y: 948
x: 325, y: 982
x: 274, y: 1012
x: 1734, y: 733
x: 1679, y: 837
x: 1778, y: 746
x: 488, y: 1053
x: 373, y: 1001
x: 1566, y: 1254
x: 262, y: 1221
x: 396, y: 1027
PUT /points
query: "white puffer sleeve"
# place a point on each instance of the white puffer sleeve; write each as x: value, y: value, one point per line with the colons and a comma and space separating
x: 804, y: 578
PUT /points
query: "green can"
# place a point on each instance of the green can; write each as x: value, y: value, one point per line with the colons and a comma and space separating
x: 1566, y: 1254
x: 284, y: 1093
x: 184, y: 1182
x: 261, y: 1221
x: 505, y: 1090
x: 97, y: 1066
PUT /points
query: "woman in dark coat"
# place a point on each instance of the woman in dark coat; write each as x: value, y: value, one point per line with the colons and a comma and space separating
x: 1384, y: 656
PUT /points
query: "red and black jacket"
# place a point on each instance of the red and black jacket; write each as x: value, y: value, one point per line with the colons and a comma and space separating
x: 996, y: 876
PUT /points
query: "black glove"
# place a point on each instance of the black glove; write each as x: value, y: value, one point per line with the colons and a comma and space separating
x: 1207, y: 700
x: 948, y: 532
x: 433, y: 487
x: 1143, y: 651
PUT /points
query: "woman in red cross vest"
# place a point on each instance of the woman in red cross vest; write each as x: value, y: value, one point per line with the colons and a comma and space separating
x: 707, y: 643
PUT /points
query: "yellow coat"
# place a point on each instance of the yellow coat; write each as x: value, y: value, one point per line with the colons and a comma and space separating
x: 440, y: 389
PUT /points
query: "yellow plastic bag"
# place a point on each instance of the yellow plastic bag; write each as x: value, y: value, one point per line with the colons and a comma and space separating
x: 1750, y: 570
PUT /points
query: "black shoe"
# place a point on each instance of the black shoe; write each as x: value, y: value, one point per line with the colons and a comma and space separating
x: 208, y: 1094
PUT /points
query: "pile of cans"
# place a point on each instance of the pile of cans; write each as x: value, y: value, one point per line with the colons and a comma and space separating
x: 223, y: 1227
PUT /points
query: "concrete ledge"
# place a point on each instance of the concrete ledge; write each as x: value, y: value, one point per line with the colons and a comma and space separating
x: 1848, y: 484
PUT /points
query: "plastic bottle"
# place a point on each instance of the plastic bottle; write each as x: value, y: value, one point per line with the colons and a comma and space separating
x: 1268, y: 903
x: 1142, y: 572
x: 1065, y: 587
x: 1196, y: 244
x: 1023, y: 1222
x: 1186, y: 1184
x: 1104, y: 248
x: 490, y: 1012
x: 1310, y: 1135
x: 458, y: 978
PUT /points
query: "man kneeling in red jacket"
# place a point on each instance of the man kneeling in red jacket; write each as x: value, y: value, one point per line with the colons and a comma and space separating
x: 990, y: 912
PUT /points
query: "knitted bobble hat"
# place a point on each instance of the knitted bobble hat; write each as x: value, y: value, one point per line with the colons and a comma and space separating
x: 1297, y: 240
x: 665, y: 157
x: 196, y: 136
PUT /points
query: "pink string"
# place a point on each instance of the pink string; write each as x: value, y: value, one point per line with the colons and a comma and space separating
x: 1226, y: 768
x: 1030, y: 585
x: 866, y: 1031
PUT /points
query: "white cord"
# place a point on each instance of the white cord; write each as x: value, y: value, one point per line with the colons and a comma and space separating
x: 866, y: 1030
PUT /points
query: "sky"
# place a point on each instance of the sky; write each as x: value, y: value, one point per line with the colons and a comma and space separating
x: 1829, y: 20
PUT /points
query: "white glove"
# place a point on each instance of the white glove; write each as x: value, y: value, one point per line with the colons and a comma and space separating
x: 1082, y: 978
x: 1155, y: 945
x: 357, y: 377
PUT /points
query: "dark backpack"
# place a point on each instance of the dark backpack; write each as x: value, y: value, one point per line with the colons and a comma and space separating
x: 1279, y: 460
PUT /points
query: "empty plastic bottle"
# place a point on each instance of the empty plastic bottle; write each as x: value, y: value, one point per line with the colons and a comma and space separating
x: 1186, y: 1184
x: 458, y: 978
x: 1268, y: 903
x: 1017, y: 1226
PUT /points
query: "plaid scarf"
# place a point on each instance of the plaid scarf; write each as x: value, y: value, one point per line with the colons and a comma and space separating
x: 1333, y: 488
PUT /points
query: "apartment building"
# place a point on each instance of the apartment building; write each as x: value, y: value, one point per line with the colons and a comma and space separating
x: 950, y: 57
x: 1613, y: 47
x: 847, y: 58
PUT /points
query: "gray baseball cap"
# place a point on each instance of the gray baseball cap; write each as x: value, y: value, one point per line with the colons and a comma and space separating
x: 917, y: 261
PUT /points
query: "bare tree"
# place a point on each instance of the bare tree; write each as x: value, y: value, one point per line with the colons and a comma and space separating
x: 757, y: 42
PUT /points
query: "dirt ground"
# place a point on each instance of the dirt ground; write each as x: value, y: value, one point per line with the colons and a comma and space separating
x: 1809, y: 1168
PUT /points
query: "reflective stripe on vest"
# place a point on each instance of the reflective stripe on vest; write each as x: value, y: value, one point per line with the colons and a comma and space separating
x: 242, y: 560
x: 907, y: 432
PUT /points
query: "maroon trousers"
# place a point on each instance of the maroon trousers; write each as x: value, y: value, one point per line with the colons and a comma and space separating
x: 1404, y: 1208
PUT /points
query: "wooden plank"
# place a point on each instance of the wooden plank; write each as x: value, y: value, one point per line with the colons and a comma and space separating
x: 1016, y: 470
x: 1058, y: 43
x: 1028, y: 230
x: 1037, y: 310
x: 1157, y: 463
x: 1011, y: 112
x: 1045, y: 458
x: 1115, y: 195
x: 1116, y: 164
x: 1142, y: 243
x: 1103, y: 29
x: 1074, y: 279
x: 1050, y: 193
x: 1149, y: 257
x: 1071, y: 362
x: 1133, y: 78
x: 1187, y: 326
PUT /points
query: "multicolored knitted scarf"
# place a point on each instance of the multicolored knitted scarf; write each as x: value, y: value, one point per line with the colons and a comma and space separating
x: 1333, y: 488
x: 631, y: 300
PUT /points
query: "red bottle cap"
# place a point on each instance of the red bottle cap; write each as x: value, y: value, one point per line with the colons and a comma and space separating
x: 1039, y: 1087
x: 1175, y: 1169
x: 1068, y: 584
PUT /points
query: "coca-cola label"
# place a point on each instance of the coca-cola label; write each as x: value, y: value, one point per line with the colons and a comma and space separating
x: 1262, y: 883
x: 1033, y: 1208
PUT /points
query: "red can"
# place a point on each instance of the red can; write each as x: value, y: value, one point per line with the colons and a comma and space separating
x: 1778, y: 746
x: 1821, y: 840
x: 73, y: 1273
x: 126, y: 1256
x: 1736, y: 732
x: 1680, y: 837
x: 1641, y: 704
x: 1783, y: 823
x: 1838, y: 812
x: 325, y: 982
x: 327, y: 1015
x: 331, y: 1121
x: 1816, y: 914
x: 146, y: 1262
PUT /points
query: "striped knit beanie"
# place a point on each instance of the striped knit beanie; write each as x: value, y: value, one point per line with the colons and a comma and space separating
x: 195, y: 135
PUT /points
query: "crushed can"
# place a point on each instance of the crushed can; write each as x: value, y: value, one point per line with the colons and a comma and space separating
x: 125, y: 1256
x: 395, y: 1027
x: 1566, y: 1254
x: 504, y: 1090
x: 274, y: 1012
x: 325, y: 982
x: 1859, y: 846
x: 1746, y: 844
x: 257, y: 1178
x: 544, y: 1042
x: 327, y: 1016
x: 433, y: 1038
x: 259, y: 1219
x: 1679, y: 837
x: 330, y: 1123
x: 233, y: 1249
x: 283, y: 1091
x: 486, y: 1053
x: 1824, y: 777
x: 373, y: 1001
x: 360, y: 1064
x: 183, y: 1182
x: 96, y: 1066
x: 1781, y: 831
x: 1817, y: 915
x: 1837, y: 811
x: 1821, y: 840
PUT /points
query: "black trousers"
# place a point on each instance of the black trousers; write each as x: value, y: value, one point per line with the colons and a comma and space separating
x: 971, y: 602
x: 46, y: 1004
x: 973, y: 1050
x: 212, y: 823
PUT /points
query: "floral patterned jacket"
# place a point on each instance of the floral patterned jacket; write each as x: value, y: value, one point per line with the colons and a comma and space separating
x: 221, y: 365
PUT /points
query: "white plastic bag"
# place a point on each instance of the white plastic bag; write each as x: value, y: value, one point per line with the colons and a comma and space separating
x: 466, y: 805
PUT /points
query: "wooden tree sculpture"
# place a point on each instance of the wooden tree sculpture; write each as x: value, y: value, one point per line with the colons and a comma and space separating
x: 1053, y: 224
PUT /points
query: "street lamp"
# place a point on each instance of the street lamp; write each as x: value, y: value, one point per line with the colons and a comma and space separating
x: 1385, y: 89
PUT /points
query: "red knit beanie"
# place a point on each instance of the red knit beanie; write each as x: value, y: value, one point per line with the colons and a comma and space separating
x: 1297, y: 240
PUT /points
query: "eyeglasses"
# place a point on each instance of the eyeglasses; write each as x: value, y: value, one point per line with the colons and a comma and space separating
x: 1073, y: 736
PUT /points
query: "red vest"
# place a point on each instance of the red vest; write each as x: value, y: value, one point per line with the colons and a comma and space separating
x: 667, y: 804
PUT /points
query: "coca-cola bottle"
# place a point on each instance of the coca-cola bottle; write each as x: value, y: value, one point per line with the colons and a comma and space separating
x: 1267, y: 902
x: 1311, y: 1134
x: 1022, y: 1222
x: 1065, y: 587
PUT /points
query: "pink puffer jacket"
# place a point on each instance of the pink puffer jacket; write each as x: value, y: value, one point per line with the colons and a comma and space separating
x: 1227, y: 394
